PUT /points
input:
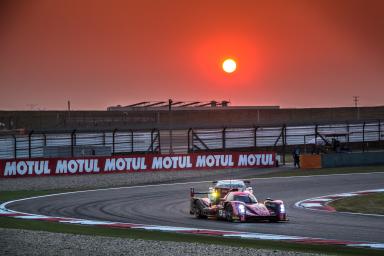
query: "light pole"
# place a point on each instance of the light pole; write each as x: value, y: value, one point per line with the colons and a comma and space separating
x: 356, y: 101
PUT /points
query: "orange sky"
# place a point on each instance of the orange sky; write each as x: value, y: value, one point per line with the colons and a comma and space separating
x: 103, y: 53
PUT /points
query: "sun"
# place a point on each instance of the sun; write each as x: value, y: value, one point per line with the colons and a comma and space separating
x: 229, y: 65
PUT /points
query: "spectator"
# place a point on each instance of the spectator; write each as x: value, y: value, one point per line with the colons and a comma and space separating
x: 336, y: 145
x: 296, y: 157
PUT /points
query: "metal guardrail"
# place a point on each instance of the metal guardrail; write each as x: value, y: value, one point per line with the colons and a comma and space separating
x: 32, y: 145
x: 279, y: 138
x: 357, y: 136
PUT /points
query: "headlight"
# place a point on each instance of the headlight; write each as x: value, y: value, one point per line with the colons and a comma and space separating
x: 214, y: 194
x: 241, y: 209
x: 282, y: 208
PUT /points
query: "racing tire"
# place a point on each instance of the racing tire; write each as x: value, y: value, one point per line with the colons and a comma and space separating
x: 198, y: 210
x: 274, y: 219
x: 229, y: 213
x: 198, y: 214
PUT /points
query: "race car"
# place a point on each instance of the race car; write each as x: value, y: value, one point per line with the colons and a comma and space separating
x: 236, y: 205
x: 222, y: 187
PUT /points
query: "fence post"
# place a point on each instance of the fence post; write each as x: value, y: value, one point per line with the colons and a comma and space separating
x: 255, y: 136
x: 44, y: 143
x: 223, y: 138
x: 14, y: 146
x: 45, y: 139
x: 158, y: 137
x: 113, y: 140
x: 131, y: 141
x: 305, y: 143
x: 284, y: 137
x: 73, y: 142
x: 190, y: 138
x: 170, y: 126
x: 379, y: 127
x: 348, y: 134
x: 364, y: 137
x: 193, y: 140
x: 30, y: 144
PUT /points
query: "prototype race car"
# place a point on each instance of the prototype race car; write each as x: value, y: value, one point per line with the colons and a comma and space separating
x: 221, y: 188
x: 235, y: 204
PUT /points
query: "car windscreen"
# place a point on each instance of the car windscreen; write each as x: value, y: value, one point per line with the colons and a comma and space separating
x: 248, y: 199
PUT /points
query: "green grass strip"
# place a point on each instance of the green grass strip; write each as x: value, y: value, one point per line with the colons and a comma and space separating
x: 13, y: 195
x: 370, y: 204
x: 6, y: 222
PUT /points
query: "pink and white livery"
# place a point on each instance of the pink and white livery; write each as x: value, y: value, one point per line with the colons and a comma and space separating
x: 231, y: 200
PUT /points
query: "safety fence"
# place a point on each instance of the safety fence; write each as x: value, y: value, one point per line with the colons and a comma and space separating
x: 311, y: 138
x: 74, y: 143
x: 341, y: 136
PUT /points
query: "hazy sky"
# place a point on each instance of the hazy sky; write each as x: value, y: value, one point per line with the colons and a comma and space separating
x: 102, y: 53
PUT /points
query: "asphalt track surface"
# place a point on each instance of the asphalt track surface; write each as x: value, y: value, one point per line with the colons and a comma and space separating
x: 168, y: 205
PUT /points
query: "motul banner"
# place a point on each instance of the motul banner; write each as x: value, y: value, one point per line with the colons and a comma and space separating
x: 134, y: 163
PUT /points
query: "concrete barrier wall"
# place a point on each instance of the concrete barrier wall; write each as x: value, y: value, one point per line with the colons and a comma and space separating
x: 352, y: 159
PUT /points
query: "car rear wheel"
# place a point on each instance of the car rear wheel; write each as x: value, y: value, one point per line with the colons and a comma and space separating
x: 229, y: 213
x: 198, y: 214
x: 273, y: 219
x: 198, y: 210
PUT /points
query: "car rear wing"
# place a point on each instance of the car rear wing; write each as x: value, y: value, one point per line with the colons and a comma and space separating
x: 193, y: 193
x: 246, y: 182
